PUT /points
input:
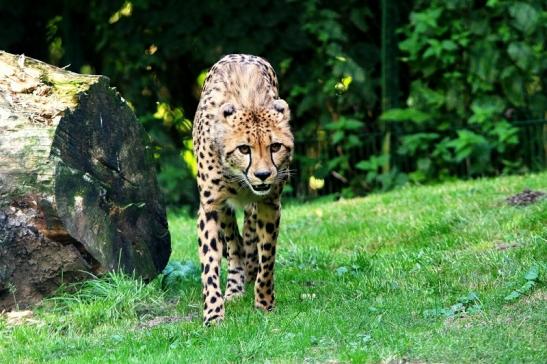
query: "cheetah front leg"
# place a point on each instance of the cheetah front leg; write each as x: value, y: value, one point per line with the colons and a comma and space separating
x: 236, y: 277
x: 210, y: 254
x: 250, y: 240
x: 268, y: 216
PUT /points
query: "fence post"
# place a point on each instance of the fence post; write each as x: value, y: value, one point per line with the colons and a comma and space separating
x: 390, y: 77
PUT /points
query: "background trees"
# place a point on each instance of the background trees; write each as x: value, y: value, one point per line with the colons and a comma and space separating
x: 382, y: 93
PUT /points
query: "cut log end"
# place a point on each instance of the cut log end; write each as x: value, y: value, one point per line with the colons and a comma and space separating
x: 78, y: 188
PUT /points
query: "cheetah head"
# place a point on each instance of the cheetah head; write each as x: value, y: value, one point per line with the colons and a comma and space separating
x: 257, y: 145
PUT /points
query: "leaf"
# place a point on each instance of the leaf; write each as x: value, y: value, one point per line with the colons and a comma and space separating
x: 352, y: 124
x: 340, y: 271
x: 337, y: 137
x: 532, y: 274
x: 334, y: 126
x: 345, y: 124
x: 412, y: 143
x: 373, y: 163
x: 467, y: 304
x: 408, y: 114
x: 359, y: 18
x: 449, y: 45
x: 506, y: 135
x: 531, y: 277
x: 336, y: 162
x: 527, y: 286
x: 423, y: 164
x: 365, y: 166
x: 430, y: 51
x: 425, y: 20
x: 521, y: 54
x: 471, y: 297
x: 177, y: 274
x: 466, y: 142
x: 413, y: 45
x: 438, y: 312
x: 484, y: 58
x: 486, y: 109
x: 513, y: 85
x: 425, y: 97
x: 353, y: 141
x: 458, y: 307
x: 525, y: 17
x: 474, y: 309
x: 512, y: 296
x: 344, y: 83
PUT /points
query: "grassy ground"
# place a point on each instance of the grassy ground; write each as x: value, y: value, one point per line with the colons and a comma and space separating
x: 372, y: 279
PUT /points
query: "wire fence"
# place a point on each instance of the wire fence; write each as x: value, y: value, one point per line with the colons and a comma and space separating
x: 532, y: 153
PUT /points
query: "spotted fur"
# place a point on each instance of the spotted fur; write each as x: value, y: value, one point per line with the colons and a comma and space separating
x: 243, y: 146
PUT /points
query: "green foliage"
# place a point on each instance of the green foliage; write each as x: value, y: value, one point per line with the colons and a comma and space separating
x: 177, y: 274
x: 334, y: 96
x: 436, y: 100
x: 474, y: 69
x: 375, y: 176
x: 532, y: 279
x: 469, y: 304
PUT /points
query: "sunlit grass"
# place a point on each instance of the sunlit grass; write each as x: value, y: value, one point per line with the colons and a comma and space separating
x: 356, y: 281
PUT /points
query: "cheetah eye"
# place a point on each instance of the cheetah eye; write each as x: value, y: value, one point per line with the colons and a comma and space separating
x: 244, y: 149
x: 275, y: 147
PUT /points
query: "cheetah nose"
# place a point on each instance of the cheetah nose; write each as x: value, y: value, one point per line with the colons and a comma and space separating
x: 262, y: 175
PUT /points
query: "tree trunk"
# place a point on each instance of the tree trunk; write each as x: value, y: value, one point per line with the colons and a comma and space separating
x: 78, y: 190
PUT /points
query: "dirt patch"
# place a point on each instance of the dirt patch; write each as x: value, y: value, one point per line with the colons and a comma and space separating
x: 537, y: 296
x: 402, y: 361
x: 525, y: 198
x: 17, y: 318
x: 163, y: 320
x: 506, y: 246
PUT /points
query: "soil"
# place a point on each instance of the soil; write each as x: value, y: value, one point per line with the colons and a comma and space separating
x: 505, y: 246
x: 525, y: 198
x: 16, y: 318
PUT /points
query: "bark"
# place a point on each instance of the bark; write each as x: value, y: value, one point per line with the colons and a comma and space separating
x: 78, y: 190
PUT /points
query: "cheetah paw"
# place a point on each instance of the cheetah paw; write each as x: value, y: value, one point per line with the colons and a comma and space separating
x: 233, y: 295
x: 213, y: 320
x: 264, y: 306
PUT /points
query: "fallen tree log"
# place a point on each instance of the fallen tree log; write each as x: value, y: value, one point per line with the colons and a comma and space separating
x: 78, y: 189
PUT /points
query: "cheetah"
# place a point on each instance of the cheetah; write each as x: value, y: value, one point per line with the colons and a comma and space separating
x: 243, y: 146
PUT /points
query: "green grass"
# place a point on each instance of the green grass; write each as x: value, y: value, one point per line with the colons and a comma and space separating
x: 357, y: 281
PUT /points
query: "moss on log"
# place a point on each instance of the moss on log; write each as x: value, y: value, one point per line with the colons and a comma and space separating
x: 78, y: 188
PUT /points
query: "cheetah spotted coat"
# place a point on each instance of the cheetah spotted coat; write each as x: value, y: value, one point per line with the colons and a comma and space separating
x: 243, y: 146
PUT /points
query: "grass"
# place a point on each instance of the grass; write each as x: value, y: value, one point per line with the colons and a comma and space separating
x: 374, y: 279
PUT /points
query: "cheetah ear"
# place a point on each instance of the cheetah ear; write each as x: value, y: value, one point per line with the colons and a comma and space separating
x: 282, y: 108
x: 225, y: 111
